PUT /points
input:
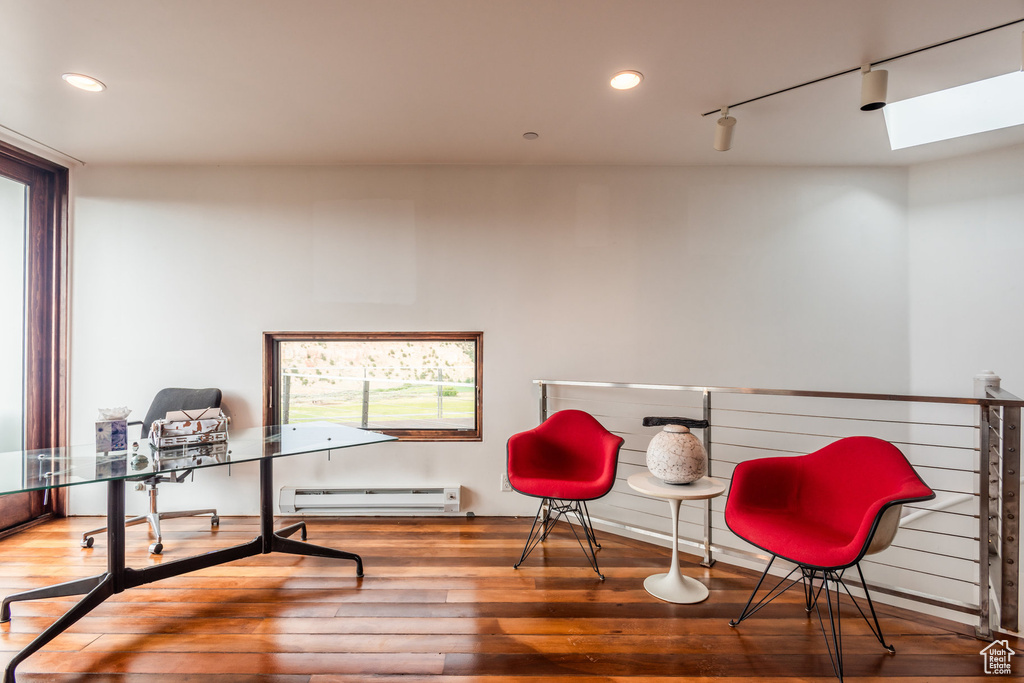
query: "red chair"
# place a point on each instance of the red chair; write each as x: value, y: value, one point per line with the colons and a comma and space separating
x: 566, y: 461
x: 823, y: 512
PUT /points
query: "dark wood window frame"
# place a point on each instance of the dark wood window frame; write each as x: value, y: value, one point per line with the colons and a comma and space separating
x: 271, y: 370
x: 45, y: 356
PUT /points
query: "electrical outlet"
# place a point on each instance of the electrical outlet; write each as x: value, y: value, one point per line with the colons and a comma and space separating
x: 505, y: 485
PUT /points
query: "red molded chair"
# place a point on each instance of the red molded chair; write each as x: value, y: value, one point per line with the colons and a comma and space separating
x: 823, y: 512
x: 566, y: 461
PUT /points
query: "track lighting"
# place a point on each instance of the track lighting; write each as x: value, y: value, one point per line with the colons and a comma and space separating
x: 723, y: 131
x: 873, y: 87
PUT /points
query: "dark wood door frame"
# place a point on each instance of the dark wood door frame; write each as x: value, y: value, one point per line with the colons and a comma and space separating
x: 46, y: 310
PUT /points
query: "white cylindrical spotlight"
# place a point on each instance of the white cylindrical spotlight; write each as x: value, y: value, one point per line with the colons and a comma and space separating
x: 873, y: 88
x: 723, y: 131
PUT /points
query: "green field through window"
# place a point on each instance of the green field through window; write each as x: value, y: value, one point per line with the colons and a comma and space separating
x: 414, y: 385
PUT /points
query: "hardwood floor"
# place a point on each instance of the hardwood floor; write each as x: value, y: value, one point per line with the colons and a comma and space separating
x: 440, y: 603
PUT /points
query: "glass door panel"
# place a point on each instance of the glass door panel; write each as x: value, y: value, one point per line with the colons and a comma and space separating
x: 12, y: 314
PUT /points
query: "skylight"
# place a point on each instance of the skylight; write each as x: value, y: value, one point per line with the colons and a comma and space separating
x: 977, y: 107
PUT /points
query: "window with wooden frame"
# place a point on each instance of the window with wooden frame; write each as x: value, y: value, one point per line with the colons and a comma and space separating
x: 33, y: 336
x: 418, y: 386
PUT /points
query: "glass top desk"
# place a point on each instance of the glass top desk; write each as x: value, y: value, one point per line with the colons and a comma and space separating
x: 22, y: 471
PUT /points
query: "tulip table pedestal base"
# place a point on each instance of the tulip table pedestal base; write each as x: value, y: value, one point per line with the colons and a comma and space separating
x: 674, y: 586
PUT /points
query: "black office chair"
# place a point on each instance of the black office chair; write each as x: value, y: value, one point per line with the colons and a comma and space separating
x: 165, y: 401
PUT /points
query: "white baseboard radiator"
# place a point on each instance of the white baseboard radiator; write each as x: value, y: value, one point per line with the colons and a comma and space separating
x: 369, y: 501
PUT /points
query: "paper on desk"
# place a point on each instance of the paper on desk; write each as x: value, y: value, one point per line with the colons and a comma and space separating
x: 185, y: 415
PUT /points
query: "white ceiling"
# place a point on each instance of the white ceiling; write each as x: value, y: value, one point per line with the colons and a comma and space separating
x: 460, y: 81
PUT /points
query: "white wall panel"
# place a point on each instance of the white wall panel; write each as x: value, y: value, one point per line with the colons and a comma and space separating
x: 759, y: 276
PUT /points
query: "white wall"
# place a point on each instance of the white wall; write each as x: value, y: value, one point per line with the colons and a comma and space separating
x: 778, y: 277
x: 966, y: 253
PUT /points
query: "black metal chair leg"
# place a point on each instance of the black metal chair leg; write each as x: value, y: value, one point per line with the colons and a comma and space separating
x: 536, y: 535
x: 590, y: 526
x: 546, y: 520
x: 809, y: 596
x: 876, y: 628
x: 835, y: 645
x: 576, y: 508
x: 768, y: 597
x: 833, y: 633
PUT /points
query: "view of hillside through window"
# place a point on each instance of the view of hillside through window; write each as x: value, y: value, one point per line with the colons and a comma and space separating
x: 379, y: 384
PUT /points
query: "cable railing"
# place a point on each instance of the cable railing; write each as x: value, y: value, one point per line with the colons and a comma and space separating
x: 958, y: 552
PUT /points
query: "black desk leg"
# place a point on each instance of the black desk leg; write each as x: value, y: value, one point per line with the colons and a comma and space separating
x: 60, y: 590
x: 98, y: 594
x: 287, y: 545
x: 97, y: 588
x: 277, y: 541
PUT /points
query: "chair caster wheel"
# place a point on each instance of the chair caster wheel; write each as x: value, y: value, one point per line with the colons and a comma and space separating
x: 156, y: 548
x: 215, y: 521
x: 87, y: 542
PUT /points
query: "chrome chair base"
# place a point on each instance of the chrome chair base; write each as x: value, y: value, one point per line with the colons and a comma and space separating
x: 153, y: 518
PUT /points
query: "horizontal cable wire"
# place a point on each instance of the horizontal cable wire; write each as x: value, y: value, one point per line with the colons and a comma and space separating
x: 849, y: 419
x: 836, y: 436
x: 942, y: 512
x: 931, y: 467
x: 924, y: 573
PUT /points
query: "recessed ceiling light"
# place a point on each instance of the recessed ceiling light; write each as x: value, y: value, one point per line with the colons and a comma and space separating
x: 531, y: 135
x: 83, y: 82
x: 624, y: 80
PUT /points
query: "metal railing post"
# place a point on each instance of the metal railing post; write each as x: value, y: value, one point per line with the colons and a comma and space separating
x: 1010, y: 521
x: 708, y: 559
x: 440, y: 394
x: 366, y: 401
x: 986, y: 413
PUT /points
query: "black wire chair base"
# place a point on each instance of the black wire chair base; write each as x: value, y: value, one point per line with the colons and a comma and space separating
x: 815, y: 582
x: 549, y: 512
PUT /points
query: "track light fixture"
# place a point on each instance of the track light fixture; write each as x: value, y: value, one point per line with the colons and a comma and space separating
x: 723, y: 130
x: 873, y: 88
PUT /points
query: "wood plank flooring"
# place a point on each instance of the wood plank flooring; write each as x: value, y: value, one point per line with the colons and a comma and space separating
x: 440, y: 603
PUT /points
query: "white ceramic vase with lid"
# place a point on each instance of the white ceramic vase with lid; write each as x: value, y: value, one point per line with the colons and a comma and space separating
x: 675, y: 455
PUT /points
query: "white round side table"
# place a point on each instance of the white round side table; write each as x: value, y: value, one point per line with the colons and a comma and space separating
x: 673, y: 586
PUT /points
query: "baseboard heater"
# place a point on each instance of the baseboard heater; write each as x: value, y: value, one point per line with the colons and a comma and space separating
x: 368, y: 501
